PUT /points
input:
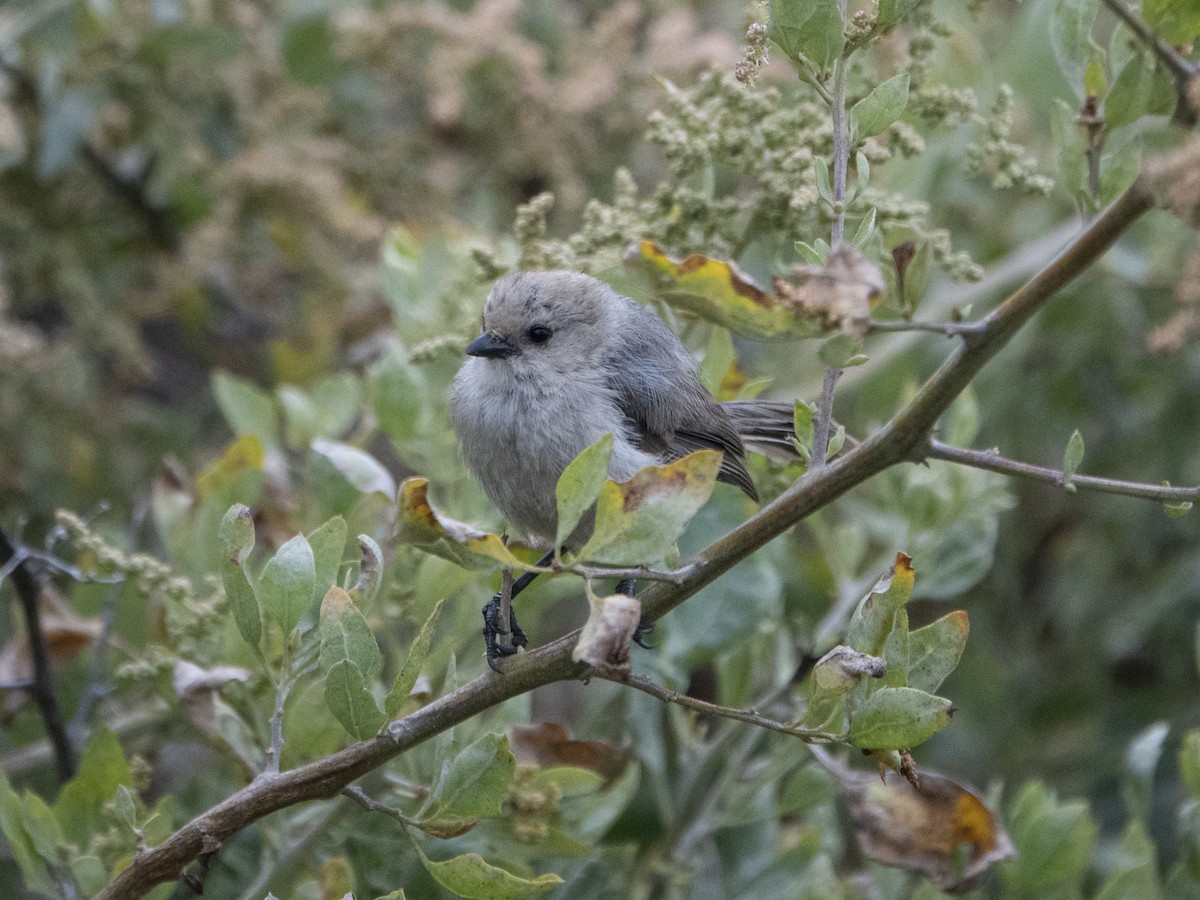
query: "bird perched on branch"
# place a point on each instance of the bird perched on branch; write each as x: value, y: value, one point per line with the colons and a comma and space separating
x: 563, y: 360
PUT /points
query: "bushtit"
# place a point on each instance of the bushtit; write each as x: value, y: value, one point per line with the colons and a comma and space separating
x: 563, y: 360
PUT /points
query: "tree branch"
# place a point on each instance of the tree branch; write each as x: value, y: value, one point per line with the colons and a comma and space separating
x: 15, y: 560
x: 950, y: 329
x: 749, y: 716
x: 900, y: 440
x: 823, y: 420
x: 993, y: 462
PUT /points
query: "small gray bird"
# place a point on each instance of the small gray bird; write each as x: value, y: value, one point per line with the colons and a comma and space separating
x: 563, y: 360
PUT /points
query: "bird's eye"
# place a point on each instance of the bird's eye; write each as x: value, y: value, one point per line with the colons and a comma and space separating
x: 539, y: 334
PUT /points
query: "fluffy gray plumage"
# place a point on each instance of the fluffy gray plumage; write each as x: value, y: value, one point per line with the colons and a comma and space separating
x: 565, y: 359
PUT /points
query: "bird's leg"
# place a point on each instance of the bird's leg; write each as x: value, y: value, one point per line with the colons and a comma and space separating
x: 626, y: 586
x: 494, y: 627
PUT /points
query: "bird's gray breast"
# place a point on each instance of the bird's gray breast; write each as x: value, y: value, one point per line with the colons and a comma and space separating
x: 519, y: 431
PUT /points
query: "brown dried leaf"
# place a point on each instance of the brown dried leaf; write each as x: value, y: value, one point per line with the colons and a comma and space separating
x: 604, y: 640
x: 548, y: 744
x: 942, y: 830
x: 841, y: 293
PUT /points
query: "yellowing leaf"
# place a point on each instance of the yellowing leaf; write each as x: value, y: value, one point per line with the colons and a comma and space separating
x: 345, y: 634
x: 718, y: 291
x: 942, y: 830
x: 419, y: 524
x: 639, y: 521
x: 872, y: 622
x: 243, y: 456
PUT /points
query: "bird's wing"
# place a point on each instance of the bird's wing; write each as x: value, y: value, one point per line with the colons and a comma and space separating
x: 670, y: 411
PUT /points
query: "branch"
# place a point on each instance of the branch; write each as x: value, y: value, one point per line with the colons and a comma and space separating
x: 16, y: 561
x: 823, y: 420
x: 750, y: 716
x: 992, y: 461
x: 1180, y: 67
x: 898, y: 441
x: 950, y: 329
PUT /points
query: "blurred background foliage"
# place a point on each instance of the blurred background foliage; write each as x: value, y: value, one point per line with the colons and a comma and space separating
x: 242, y: 245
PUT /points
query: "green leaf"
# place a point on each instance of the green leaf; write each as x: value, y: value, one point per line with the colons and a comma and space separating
x: 1139, y: 89
x: 474, y: 785
x: 1054, y: 843
x: 248, y: 410
x: 363, y: 471
x: 884, y: 105
x: 90, y: 874
x: 1175, y: 21
x: 12, y: 825
x: 237, y: 535
x: 893, y: 11
x: 810, y: 254
x: 1177, y: 510
x: 328, y: 543
x: 285, y: 588
x: 370, y: 571
x: 345, y: 634
x: 802, y: 423
x: 825, y: 191
x: 579, y: 485
x: 639, y: 521
x: 836, y: 443
x: 80, y: 805
x: 896, y: 653
x: 821, y: 37
x: 894, y: 718
x: 125, y: 806
x: 1189, y: 762
x: 1072, y: 457
x: 718, y: 359
x: 406, y: 678
x: 865, y: 229
x: 43, y: 828
x: 471, y: 877
x: 1134, y: 875
x: 1095, y: 82
x: 839, y: 350
x: 351, y: 703
x: 934, y: 651
x: 1071, y: 39
x: 875, y: 616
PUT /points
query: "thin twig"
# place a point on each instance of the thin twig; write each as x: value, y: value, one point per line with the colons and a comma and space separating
x: 823, y: 420
x: 640, y: 573
x: 42, y: 689
x: 749, y: 716
x: 1180, y: 67
x: 358, y: 795
x: 841, y: 141
x: 950, y: 329
x: 992, y: 461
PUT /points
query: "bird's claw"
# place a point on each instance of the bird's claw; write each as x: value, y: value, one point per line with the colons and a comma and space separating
x: 493, y: 629
x: 644, y: 628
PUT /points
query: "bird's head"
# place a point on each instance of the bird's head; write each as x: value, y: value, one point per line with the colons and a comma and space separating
x: 551, y: 321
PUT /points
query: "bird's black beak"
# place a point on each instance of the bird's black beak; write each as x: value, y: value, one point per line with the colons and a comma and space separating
x: 492, y: 346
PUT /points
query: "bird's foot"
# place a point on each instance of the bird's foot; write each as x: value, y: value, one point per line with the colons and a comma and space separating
x: 644, y: 629
x: 494, y: 629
